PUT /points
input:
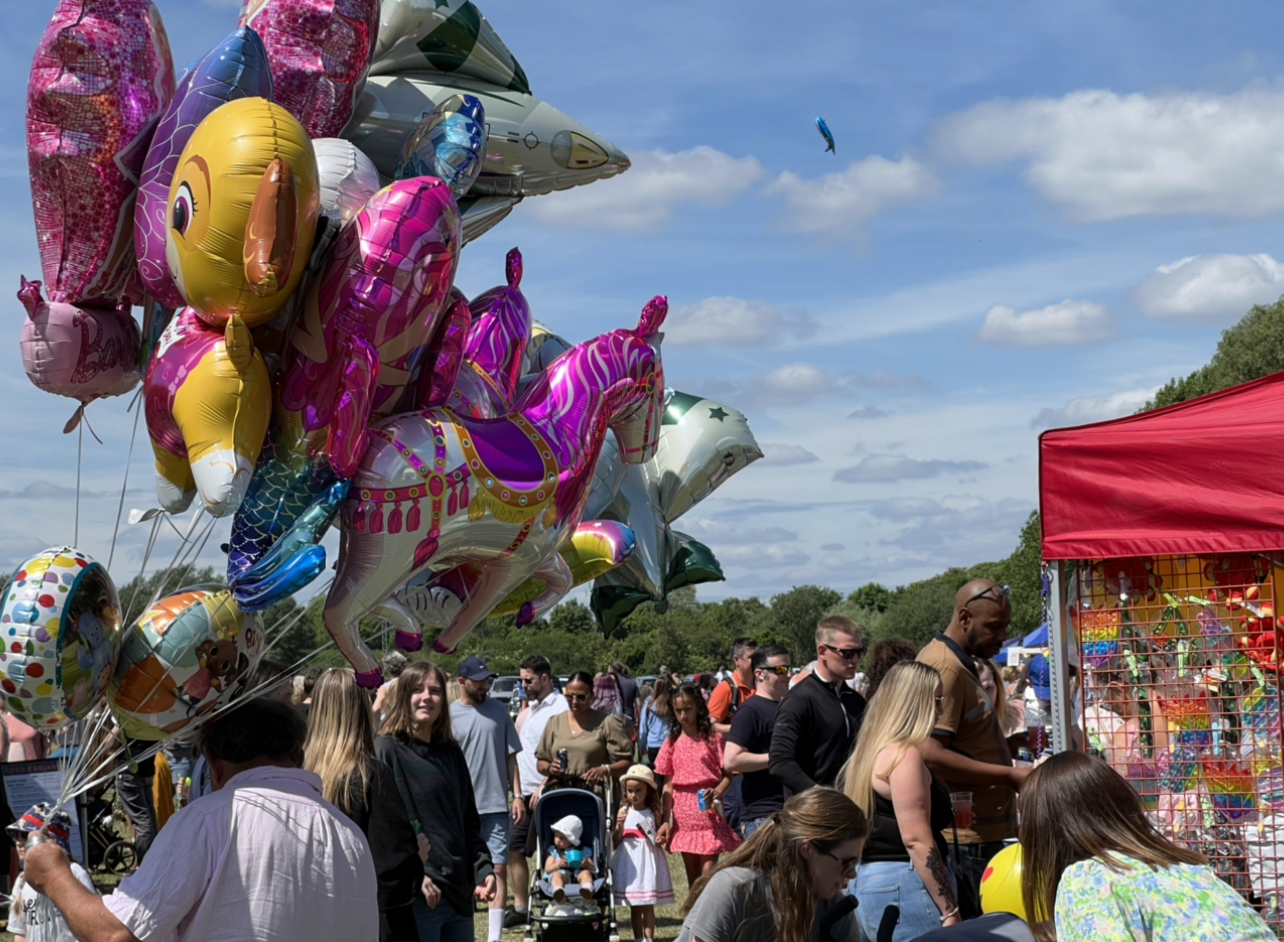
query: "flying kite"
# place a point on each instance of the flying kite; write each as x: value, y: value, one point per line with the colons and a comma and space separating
x: 823, y: 128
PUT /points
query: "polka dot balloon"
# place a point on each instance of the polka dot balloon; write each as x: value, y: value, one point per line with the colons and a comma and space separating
x: 61, y: 626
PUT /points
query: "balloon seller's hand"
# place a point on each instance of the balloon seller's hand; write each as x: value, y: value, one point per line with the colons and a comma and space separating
x: 486, y: 892
x: 425, y: 846
x: 432, y: 895
x: 43, y: 858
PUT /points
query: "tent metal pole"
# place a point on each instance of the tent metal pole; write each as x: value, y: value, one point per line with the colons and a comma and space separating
x: 1061, y: 658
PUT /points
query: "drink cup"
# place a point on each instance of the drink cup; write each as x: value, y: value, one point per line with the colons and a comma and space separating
x: 563, y: 757
x: 702, y: 799
x: 961, y: 802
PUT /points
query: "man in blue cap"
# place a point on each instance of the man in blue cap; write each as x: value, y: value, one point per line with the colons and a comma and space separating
x: 489, y: 739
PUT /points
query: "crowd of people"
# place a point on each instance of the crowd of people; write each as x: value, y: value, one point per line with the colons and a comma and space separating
x: 789, y: 795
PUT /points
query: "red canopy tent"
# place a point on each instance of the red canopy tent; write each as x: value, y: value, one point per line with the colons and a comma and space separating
x: 1199, y: 477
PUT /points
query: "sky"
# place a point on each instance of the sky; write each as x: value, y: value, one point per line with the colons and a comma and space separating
x: 1036, y: 215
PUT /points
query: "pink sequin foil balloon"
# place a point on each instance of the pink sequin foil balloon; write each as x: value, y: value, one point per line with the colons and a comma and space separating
x: 101, y: 77
x: 82, y: 352
x: 320, y: 52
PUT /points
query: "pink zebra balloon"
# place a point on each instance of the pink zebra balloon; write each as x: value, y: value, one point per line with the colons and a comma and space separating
x: 235, y: 68
x: 320, y: 52
x: 496, y: 347
x: 101, y: 77
x: 438, y: 491
x: 82, y: 352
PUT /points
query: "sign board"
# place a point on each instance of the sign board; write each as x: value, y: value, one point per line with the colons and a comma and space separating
x: 29, y: 783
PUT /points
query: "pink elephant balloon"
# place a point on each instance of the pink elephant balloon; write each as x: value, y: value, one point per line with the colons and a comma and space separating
x: 82, y: 352
x: 437, y: 491
x: 102, y: 75
x: 320, y: 52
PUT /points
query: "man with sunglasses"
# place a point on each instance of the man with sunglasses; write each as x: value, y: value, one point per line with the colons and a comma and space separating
x: 819, y: 719
x: 749, y: 741
x: 968, y: 749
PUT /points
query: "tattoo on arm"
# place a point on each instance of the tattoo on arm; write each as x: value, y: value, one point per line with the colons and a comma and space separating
x: 937, y: 867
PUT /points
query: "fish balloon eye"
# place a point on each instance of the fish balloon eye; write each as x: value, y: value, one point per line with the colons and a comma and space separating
x: 184, y: 208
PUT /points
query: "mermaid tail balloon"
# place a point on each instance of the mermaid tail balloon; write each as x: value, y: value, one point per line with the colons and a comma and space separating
x: 361, y: 340
x: 437, y: 491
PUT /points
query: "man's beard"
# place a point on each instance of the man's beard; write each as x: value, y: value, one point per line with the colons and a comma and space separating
x: 477, y: 697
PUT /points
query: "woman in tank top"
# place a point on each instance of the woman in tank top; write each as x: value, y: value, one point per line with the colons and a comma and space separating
x: 904, y: 860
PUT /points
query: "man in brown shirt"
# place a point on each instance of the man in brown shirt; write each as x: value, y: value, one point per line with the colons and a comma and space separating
x: 968, y: 749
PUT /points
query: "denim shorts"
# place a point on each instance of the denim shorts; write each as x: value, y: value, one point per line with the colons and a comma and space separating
x: 880, y: 884
x: 494, y: 831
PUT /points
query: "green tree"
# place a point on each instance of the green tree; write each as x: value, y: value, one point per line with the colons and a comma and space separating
x: 918, y: 610
x: 872, y: 597
x: 794, y: 615
x: 1023, y: 571
x: 1251, y: 349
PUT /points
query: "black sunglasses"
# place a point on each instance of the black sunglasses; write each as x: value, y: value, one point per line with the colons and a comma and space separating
x: 1005, y: 592
x: 846, y: 653
x: 848, y: 866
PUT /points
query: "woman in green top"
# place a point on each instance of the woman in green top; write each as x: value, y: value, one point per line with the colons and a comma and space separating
x: 597, y: 745
x: 1095, y: 865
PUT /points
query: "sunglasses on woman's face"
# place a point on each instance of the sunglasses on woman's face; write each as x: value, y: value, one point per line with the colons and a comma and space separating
x: 848, y: 865
x: 577, y: 696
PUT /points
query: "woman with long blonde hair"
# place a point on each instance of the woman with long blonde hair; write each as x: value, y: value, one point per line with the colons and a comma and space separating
x: 779, y: 883
x: 437, y: 791
x: 340, y: 749
x: 904, y: 860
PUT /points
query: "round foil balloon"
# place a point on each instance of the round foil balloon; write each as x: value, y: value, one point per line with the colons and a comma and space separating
x: 61, y: 629
x: 348, y: 179
x: 186, y: 655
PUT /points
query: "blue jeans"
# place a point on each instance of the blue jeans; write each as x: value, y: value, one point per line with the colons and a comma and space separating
x: 748, y: 827
x: 442, y: 924
x: 180, y: 769
x: 894, y: 883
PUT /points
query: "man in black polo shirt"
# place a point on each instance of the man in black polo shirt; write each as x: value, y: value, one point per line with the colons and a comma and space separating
x: 819, y: 719
x: 749, y: 742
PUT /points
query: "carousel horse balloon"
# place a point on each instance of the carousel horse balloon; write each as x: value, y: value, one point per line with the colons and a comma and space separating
x: 85, y: 150
x: 496, y: 347
x: 436, y: 491
x: 359, y: 345
x: 320, y: 52
x: 236, y: 68
x: 243, y: 210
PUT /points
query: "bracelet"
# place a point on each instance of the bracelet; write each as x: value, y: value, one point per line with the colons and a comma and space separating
x: 952, y: 912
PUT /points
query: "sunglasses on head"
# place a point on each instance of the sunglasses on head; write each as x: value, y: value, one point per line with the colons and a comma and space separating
x: 846, y: 654
x: 576, y: 696
x: 780, y: 670
x: 1004, y: 592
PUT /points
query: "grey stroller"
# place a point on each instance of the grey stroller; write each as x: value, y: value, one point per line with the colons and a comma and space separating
x: 595, y: 923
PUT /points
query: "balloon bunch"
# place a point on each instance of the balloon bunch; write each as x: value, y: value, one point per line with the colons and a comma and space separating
x: 290, y: 213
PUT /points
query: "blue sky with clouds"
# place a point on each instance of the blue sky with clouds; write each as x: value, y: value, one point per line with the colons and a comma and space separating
x: 1037, y: 214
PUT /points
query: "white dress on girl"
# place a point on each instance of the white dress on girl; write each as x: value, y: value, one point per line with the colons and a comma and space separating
x: 639, y: 867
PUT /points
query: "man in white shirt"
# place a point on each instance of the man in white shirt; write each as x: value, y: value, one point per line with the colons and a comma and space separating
x: 543, y: 703
x: 263, y: 857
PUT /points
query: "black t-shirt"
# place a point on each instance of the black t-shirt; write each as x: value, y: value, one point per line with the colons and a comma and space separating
x: 761, y: 793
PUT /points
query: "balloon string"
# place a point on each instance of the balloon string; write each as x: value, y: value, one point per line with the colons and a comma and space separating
x: 120, y: 508
x: 80, y: 451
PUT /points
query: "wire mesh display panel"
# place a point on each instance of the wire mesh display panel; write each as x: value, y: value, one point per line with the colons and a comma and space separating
x: 1180, y: 662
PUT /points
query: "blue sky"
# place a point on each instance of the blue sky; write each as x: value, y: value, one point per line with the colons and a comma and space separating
x: 994, y: 249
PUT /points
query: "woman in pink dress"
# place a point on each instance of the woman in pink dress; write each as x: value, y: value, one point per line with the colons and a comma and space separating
x: 691, y: 763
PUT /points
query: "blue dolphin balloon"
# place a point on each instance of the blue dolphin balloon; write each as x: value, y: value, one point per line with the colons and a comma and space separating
x: 823, y: 128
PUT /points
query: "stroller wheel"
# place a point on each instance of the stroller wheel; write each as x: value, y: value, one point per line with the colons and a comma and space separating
x: 120, y: 857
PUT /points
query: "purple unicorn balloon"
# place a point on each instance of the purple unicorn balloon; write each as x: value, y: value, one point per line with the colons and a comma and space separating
x: 236, y: 68
x: 495, y: 348
x: 438, y: 491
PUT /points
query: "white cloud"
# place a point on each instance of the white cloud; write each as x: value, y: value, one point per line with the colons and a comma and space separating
x: 1107, y: 156
x: 1087, y: 410
x: 733, y: 322
x: 1211, y: 288
x: 642, y: 199
x: 885, y: 469
x: 749, y: 547
x: 1067, y: 324
x: 869, y: 412
x: 778, y: 455
x: 881, y: 379
x: 794, y: 384
x: 837, y: 204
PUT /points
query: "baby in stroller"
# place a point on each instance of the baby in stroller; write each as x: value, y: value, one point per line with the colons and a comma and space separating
x: 568, y: 862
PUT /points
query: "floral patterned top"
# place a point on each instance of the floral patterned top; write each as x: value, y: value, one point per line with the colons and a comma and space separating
x: 1183, y: 903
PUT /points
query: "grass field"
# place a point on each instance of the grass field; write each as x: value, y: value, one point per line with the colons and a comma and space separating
x: 668, y: 922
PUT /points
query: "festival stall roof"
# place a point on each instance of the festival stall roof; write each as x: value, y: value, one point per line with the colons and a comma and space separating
x: 1200, y: 477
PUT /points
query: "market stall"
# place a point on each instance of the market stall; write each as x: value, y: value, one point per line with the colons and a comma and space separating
x: 1164, y: 535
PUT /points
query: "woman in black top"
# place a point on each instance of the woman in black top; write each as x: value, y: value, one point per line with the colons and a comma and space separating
x: 904, y: 861
x: 437, y: 791
x: 340, y: 749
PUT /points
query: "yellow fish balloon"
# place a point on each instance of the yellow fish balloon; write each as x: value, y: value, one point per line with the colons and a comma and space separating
x: 243, y: 210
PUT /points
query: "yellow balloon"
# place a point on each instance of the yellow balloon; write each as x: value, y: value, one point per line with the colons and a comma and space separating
x: 243, y: 210
x: 1001, y: 883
